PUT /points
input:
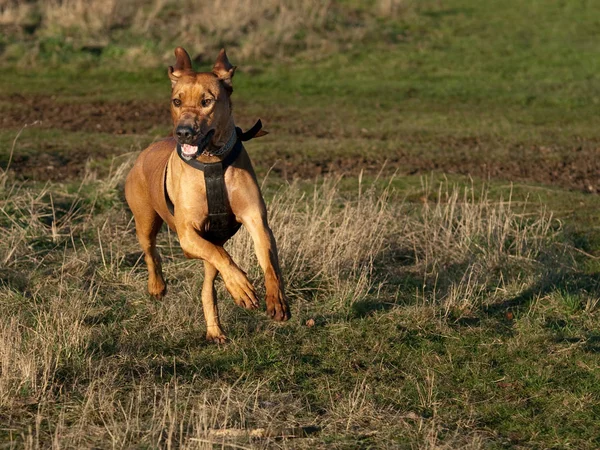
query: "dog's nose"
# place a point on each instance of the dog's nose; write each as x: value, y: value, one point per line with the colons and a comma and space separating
x: 184, y: 133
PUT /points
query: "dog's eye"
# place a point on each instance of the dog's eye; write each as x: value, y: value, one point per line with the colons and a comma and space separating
x: 177, y: 102
x: 206, y: 102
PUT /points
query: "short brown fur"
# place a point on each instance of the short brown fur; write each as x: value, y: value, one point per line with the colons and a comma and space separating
x: 144, y: 191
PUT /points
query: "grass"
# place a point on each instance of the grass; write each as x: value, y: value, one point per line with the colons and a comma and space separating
x: 59, y: 31
x: 453, y: 303
x: 432, y: 180
x: 431, y: 90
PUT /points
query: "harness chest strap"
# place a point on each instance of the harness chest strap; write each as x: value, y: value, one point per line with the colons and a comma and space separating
x: 220, y: 218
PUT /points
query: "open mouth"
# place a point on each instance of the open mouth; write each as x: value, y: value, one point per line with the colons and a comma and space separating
x: 190, y: 151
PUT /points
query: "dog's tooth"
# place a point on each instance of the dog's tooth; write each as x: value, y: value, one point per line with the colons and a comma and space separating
x: 187, y: 148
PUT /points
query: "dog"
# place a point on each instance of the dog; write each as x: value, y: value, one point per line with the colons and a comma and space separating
x: 201, y: 183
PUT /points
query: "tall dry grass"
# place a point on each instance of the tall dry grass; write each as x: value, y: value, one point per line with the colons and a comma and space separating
x: 326, y: 245
x: 467, y: 246
x: 80, y: 341
x: 253, y: 28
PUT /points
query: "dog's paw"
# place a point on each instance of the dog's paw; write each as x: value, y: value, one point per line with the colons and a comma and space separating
x: 216, y: 338
x: 277, y: 307
x: 241, y: 289
x: 157, y: 289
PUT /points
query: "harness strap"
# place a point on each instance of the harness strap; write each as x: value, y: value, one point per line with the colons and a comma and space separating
x: 170, y: 205
x: 221, y: 223
x: 253, y: 132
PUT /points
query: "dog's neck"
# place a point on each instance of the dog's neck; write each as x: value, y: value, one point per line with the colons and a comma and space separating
x: 220, y: 150
x: 222, y: 141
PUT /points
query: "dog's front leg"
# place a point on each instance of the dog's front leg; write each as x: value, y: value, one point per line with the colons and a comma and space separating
x: 236, y: 281
x: 266, y: 252
x: 214, y: 332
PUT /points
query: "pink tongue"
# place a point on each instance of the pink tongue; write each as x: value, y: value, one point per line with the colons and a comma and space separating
x: 189, y: 149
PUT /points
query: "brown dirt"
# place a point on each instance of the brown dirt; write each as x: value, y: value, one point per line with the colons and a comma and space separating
x: 116, y: 118
x: 53, y: 165
x: 577, y: 167
x: 577, y: 173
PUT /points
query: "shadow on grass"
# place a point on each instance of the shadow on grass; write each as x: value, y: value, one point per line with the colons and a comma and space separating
x: 15, y: 280
x: 571, y: 282
x: 590, y: 342
x: 365, y: 308
x: 407, y: 284
x: 187, y: 354
x: 448, y: 12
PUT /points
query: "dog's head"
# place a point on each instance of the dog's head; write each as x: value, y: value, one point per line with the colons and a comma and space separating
x: 200, y: 103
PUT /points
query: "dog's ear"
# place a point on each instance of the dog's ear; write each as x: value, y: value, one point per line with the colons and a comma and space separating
x: 182, y: 64
x: 224, y: 70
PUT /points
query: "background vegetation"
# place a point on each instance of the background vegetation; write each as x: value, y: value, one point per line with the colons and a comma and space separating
x: 432, y: 175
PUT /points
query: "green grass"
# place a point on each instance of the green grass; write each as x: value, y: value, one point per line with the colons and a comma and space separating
x: 454, y: 305
x: 446, y: 88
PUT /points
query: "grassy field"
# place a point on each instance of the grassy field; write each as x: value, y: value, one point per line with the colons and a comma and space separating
x: 432, y: 173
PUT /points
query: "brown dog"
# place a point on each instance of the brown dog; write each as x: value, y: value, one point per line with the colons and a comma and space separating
x: 167, y: 184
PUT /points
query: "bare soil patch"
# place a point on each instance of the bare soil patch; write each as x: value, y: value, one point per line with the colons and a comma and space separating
x: 51, y: 164
x: 118, y: 118
x: 575, y: 167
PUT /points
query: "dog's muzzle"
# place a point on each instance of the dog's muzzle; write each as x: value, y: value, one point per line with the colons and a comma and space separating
x: 189, y: 151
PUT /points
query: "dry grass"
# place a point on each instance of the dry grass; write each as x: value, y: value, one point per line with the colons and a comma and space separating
x: 94, y: 16
x: 464, y: 244
x: 80, y: 342
x: 326, y: 246
x: 464, y: 223
x: 253, y: 28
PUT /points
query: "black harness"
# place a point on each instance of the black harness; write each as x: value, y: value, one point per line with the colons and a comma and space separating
x: 221, y: 224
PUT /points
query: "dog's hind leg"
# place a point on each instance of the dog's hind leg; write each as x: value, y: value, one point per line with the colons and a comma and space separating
x: 214, y: 332
x: 146, y: 229
x: 147, y: 225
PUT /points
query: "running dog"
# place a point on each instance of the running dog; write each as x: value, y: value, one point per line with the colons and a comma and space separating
x: 202, y: 184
